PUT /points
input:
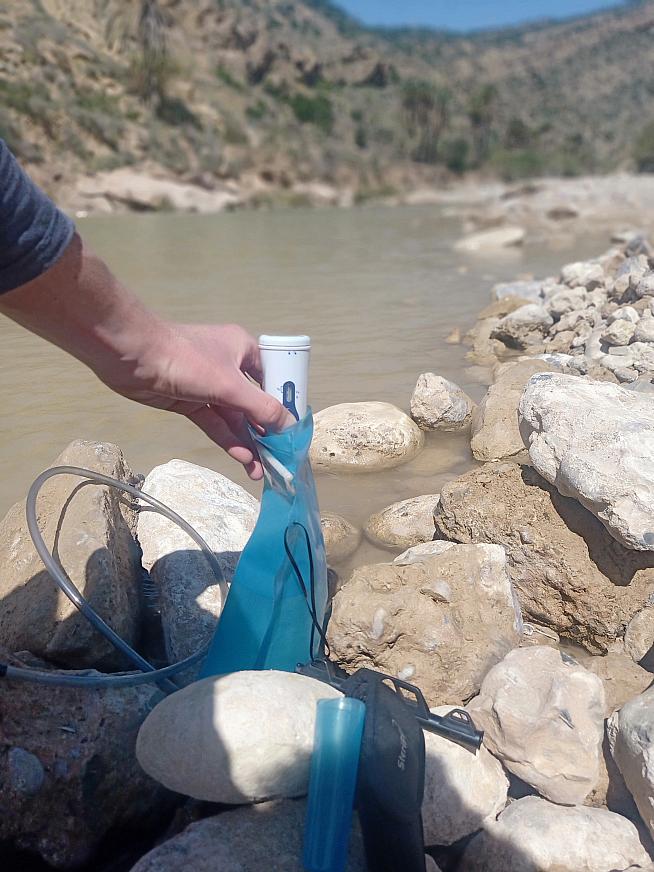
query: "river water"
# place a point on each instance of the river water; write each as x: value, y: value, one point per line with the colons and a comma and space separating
x: 378, y: 290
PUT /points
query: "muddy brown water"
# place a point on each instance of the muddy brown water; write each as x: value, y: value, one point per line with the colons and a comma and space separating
x: 378, y: 289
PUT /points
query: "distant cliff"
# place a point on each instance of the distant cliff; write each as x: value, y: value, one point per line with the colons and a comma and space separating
x: 283, y: 93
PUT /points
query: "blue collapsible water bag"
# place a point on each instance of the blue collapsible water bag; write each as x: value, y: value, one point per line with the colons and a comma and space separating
x: 275, y: 610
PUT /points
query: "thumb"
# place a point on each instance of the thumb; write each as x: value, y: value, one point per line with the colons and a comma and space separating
x: 259, y: 408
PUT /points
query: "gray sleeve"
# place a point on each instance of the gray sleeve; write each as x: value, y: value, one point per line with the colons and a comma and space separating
x: 33, y: 232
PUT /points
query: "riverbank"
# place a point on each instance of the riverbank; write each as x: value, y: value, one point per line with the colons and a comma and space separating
x: 551, y: 207
x: 520, y: 589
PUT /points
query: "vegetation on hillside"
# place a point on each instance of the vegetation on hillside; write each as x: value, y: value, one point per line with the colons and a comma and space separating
x: 297, y: 90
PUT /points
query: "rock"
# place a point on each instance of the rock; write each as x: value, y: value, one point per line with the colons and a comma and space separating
x: 504, y: 305
x: 566, y: 300
x: 417, y: 553
x: 363, y: 436
x: 495, y: 432
x: 543, y: 717
x: 439, y: 404
x: 454, y: 337
x: 587, y: 274
x: 642, y: 356
x: 523, y: 327
x: 569, y: 573
x: 95, y: 544
x: 619, y: 332
x: 68, y: 770
x: 611, y: 792
x: 565, y: 362
x: 533, y: 835
x: 128, y: 187
x: 632, y: 741
x: 462, y: 790
x: 268, y: 836
x: 625, y: 374
x: 524, y: 290
x: 439, y: 623
x: 595, y: 442
x: 491, y: 240
x: 224, y: 514
x: 626, y: 313
x: 341, y: 538
x: 628, y: 277
x: 403, y: 524
x: 639, y: 636
x: 239, y: 738
x: 622, y: 678
x: 644, y: 331
x: 645, y: 287
x: 643, y: 384
x: 484, y: 350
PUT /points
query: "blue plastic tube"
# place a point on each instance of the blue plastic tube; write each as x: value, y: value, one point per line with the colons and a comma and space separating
x: 334, y: 765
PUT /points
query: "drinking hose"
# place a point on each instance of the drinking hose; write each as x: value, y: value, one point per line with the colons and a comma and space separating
x: 147, y: 672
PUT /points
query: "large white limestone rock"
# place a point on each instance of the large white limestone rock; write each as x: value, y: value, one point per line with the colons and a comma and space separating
x: 543, y: 716
x: 631, y: 736
x: 409, y: 522
x: 495, y: 434
x: 224, y: 514
x: 533, y: 835
x: 239, y: 738
x: 264, y: 837
x: 439, y: 404
x: 491, y: 240
x: 462, y: 790
x: 595, y: 441
x: 439, y: 620
x: 363, y: 436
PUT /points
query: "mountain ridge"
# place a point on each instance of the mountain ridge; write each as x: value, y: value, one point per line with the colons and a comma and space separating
x: 281, y: 93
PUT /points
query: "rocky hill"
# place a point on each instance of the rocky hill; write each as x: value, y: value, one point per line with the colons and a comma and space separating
x: 281, y: 97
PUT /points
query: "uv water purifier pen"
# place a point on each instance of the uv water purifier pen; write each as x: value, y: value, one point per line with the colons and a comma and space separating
x: 285, y: 363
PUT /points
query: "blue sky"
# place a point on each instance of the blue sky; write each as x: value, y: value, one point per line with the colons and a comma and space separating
x: 466, y: 14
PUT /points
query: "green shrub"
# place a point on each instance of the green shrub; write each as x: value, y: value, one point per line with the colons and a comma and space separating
x: 518, y: 134
x: 233, y: 133
x: 643, y: 149
x: 518, y: 163
x: 175, y: 112
x: 105, y: 128
x: 150, y: 74
x: 98, y: 101
x: 361, y: 137
x: 226, y: 78
x: 257, y: 111
x: 27, y: 98
x: 455, y: 154
x: 316, y: 110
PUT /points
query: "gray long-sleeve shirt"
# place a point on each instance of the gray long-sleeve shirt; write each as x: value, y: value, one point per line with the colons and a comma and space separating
x: 33, y: 232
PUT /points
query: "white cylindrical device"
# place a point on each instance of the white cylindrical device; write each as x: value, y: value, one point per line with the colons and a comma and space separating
x: 285, y: 364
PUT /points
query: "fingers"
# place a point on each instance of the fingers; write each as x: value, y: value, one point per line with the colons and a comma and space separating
x: 252, y: 363
x: 259, y: 408
x: 219, y: 431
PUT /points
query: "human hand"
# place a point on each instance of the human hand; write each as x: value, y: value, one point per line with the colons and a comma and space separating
x: 197, y: 371
x: 202, y: 372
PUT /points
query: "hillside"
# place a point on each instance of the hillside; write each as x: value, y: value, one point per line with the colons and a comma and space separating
x: 274, y: 95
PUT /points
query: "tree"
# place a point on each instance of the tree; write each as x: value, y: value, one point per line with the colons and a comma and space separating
x: 481, y: 112
x: 643, y: 149
x: 426, y: 109
x: 153, y: 68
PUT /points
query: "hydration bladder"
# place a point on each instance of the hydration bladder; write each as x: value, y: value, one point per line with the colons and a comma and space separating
x: 275, y: 611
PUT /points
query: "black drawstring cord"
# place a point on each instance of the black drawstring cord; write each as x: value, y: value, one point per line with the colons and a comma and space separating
x: 311, y: 605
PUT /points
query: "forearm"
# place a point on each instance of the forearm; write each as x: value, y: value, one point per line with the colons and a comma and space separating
x: 81, y: 307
